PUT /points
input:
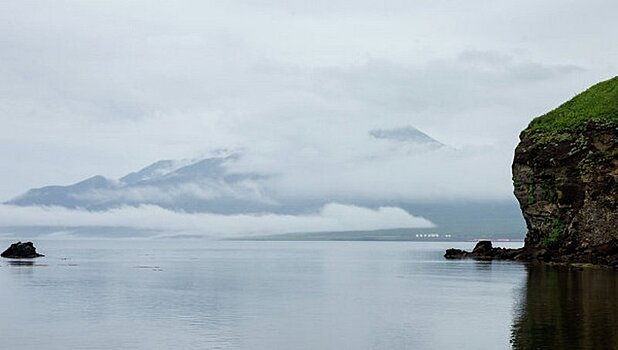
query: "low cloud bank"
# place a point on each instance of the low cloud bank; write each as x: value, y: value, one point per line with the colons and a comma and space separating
x: 331, y: 217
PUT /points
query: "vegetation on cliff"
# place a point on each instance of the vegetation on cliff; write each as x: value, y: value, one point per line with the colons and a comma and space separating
x: 598, y: 104
x: 565, y: 177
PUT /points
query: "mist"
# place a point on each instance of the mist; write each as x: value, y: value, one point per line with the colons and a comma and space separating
x: 331, y: 217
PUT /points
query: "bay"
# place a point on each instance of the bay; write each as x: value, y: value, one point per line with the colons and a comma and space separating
x: 200, y: 294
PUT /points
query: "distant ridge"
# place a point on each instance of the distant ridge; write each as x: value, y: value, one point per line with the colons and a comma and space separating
x: 198, y: 185
x: 191, y: 185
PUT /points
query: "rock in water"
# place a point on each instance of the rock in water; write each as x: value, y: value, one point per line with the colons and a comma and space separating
x: 482, y: 247
x: 484, y: 250
x: 21, y: 250
x: 565, y: 174
x: 454, y: 253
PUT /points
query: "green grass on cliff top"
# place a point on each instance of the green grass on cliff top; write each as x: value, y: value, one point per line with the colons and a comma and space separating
x: 597, y: 104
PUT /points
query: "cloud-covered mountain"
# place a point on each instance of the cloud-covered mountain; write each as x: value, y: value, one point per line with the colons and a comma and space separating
x: 248, y: 192
x: 407, y: 134
x: 218, y: 185
x: 189, y: 185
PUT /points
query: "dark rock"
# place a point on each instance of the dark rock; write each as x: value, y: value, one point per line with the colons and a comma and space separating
x: 484, y: 250
x: 607, y: 249
x: 455, y: 254
x: 569, y: 202
x: 482, y: 247
x: 21, y: 250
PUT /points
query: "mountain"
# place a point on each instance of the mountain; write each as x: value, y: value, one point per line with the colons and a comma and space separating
x: 211, y: 185
x: 190, y: 185
x: 66, y: 196
x: 157, y: 169
x: 198, y: 185
x: 406, y: 134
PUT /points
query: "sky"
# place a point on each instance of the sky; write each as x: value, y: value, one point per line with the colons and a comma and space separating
x: 107, y: 87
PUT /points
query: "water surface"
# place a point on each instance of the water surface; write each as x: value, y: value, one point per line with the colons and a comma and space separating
x: 296, y: 295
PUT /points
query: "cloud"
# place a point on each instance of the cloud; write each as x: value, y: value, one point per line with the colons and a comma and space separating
x: 309, y: 127
x: 331, y: 217
x: 204, y: 189
x: 296, y: 86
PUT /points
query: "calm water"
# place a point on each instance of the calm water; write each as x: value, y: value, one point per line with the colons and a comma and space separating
x: 297, y: 295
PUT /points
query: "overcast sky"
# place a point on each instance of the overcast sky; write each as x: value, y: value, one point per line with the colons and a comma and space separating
x: 108, y: 87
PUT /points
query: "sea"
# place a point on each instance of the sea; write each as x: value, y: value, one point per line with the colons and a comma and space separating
x: 263, y: 295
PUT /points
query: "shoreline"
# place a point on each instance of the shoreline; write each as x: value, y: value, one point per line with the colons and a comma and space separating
x: 604, y: 255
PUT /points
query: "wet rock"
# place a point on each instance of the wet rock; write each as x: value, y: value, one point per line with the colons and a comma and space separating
x: 602, y: 255
x: 21, y: 250
x: 455, y: 254
x: 482, y: 247
x: 484, y: 250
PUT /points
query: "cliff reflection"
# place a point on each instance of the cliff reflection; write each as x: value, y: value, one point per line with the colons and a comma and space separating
x: 563, y: 309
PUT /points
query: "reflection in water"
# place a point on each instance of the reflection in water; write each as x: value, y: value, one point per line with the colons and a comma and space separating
x: 234, y: 295
x: 21, y: 262
x: 565, y: 309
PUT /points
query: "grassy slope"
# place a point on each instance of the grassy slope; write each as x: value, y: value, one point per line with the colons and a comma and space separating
x: 597, y: 104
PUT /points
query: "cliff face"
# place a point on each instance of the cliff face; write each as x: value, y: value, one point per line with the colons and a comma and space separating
x: 565, y: 175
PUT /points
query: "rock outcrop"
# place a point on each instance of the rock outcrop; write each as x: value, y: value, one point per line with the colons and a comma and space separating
x: 565, y: 175
x: 21, y: 250
x: 484, y: 250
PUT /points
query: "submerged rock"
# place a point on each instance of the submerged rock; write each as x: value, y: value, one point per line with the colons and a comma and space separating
x: 21, y: 250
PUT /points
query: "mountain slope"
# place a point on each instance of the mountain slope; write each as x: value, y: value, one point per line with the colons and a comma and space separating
x: 407, y: 134
x: 198, y: 185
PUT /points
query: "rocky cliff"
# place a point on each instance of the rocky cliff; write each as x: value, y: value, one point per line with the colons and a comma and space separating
x: 565, y: 175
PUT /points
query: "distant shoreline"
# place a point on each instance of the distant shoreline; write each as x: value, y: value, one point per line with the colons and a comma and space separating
x: 375, y: 236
